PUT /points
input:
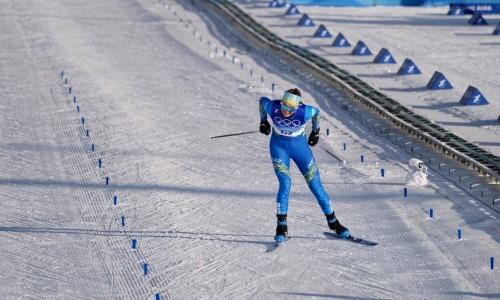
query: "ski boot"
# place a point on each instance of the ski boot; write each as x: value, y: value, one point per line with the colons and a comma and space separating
x: 281, y: 229
x: 335, y: 225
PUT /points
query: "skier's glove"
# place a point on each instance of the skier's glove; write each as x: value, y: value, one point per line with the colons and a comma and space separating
x: 313, y: 138
x: 265, y: 127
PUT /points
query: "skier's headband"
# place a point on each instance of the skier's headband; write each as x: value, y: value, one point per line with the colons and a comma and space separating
x: 290, y: 99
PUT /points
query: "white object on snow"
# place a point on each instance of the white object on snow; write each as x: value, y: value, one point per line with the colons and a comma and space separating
x: 417, y: 176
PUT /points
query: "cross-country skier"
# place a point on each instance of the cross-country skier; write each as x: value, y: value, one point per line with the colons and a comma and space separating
x: 288, y: 141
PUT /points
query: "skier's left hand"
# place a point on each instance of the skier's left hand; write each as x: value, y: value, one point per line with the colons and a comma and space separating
x: 313, y: 138
x: 265, y: 127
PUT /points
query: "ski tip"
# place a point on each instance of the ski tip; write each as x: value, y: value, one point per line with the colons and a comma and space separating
x: 351, y: 238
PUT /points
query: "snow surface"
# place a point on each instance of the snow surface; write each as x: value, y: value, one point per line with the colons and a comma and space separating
x: 153, y: 84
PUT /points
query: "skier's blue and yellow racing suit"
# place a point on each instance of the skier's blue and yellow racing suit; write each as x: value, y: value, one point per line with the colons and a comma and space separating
x: 289, y: 141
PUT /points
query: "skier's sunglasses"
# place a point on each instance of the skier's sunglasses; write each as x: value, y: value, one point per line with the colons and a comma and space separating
x: 288, y: 108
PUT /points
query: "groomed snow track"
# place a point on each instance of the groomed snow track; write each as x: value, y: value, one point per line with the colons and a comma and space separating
x: 449, y: 143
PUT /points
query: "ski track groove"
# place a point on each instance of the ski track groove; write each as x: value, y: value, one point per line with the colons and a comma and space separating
x: 89, y: 196
x: 403, y: 261
x: 81, y: 172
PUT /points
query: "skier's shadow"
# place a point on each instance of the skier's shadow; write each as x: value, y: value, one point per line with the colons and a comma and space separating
x: 267, y: 241
x: 191, y: 235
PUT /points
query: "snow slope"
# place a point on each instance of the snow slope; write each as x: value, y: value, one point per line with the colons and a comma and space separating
x: 152, y: 90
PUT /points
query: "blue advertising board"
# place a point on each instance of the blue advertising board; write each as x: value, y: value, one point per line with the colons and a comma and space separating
x: 471, y: 8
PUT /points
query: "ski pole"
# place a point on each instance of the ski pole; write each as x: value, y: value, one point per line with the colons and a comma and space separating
x: 341, y: 161
x: 233, y: 134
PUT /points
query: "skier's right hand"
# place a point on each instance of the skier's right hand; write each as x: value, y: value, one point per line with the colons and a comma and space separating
x: 265, y: 127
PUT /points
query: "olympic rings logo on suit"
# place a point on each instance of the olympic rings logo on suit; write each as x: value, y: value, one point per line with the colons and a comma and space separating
x: 287, y: 123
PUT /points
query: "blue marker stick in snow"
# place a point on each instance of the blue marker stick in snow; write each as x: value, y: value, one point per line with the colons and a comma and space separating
x: 145, y: 269
x: 382, y: 172
x: 328, y: 132
x: 158, y: 296
x: 88, y: 132
x: 134, y: 244
x: 93, y: 147
x: 405, y: 192
x: 77, y: 108
x: 115, y: 200
x: 459, y: 233
x: 107, y: 180
x: 345, y: 146
x: 123, y: 221
x: 492, y: 262
x: 362, y: 159
x: 83, y: 120
x: 431, y: 213
x: 99, y: 162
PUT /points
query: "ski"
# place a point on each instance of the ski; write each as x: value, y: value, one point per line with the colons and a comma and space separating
x: 352, y: 239
x: 277, y: 245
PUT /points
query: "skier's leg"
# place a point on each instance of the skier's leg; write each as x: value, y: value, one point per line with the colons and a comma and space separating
x: 281, y: 164
x: 305, y: 161
x: 304, y: 158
